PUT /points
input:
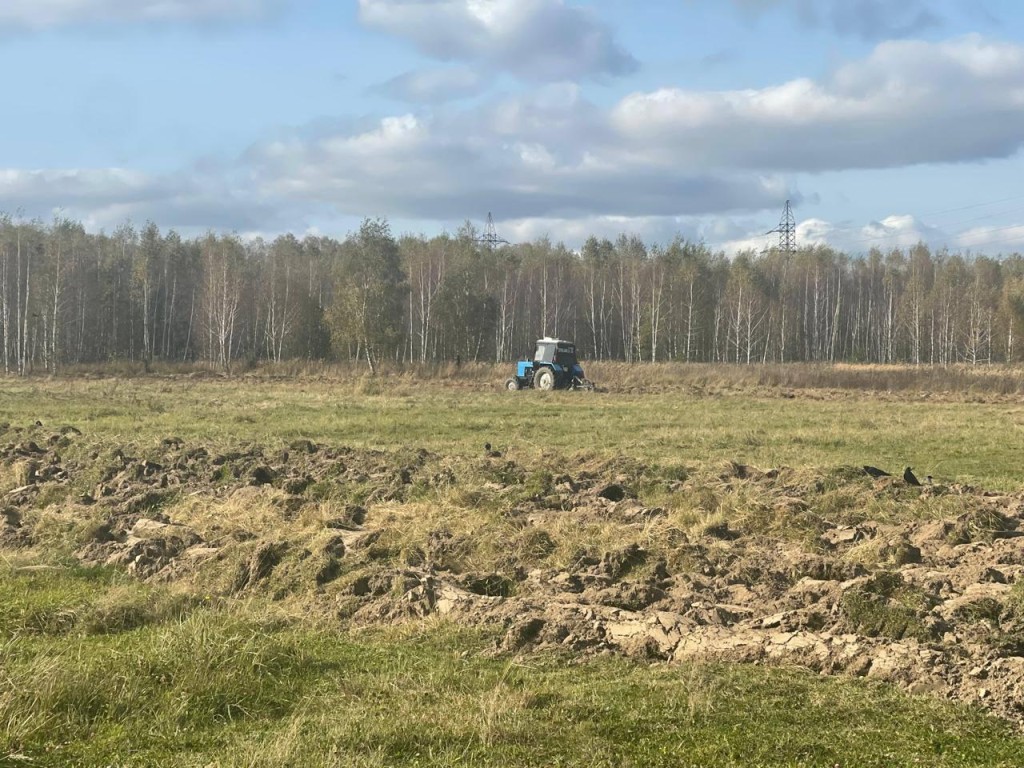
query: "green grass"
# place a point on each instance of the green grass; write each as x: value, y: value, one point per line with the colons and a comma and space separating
x: 242, y: 686
x: 57, y: 600
x: 885, y: 606
x: 953, y: 440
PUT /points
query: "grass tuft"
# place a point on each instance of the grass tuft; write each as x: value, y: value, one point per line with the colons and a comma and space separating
x: 885, y: 606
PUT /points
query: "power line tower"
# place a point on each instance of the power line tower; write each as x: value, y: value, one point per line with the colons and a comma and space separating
x: 490, y: 237
x: 786, y: 230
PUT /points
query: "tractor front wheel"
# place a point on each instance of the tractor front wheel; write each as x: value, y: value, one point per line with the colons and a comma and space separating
x: 546, y: 380
x: 512, y: 384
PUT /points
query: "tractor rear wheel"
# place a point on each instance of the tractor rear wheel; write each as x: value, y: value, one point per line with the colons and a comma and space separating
x: 512, y: 384
x: 546, y: 380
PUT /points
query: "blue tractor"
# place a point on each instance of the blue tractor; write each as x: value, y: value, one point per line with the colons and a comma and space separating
x: 554, y: 366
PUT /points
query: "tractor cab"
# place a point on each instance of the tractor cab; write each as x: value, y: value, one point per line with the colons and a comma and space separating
x: 554, y: 366
x: 556, y: 352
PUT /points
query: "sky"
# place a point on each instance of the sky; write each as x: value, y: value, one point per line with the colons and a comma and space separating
x: 885, y: 123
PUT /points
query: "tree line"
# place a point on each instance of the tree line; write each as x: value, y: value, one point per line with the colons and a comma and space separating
x: 69, y: 297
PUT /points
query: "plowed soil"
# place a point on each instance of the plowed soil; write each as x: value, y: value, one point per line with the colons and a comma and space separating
x: 830, y: 569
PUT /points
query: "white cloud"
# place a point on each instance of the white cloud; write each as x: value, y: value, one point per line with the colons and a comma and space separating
x: 550, y: 155
x: 733, y: 235
x: 728, y: 234
x: 907, y: 103
x: 538, y: 40
x: 893, y: 231
x: 896, y: 231
x: 433, y: 86
x: 992, y: 239
x: 96, y: 187
x: 573, y: 232
x: 41, y: 14
x: 105, y: 197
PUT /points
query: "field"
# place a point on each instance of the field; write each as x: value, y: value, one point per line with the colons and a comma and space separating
x: 689, y: 568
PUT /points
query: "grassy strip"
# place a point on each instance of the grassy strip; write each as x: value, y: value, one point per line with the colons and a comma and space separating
x: 241, y: 686
x: 977, y: 443
x: 950, y: 380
